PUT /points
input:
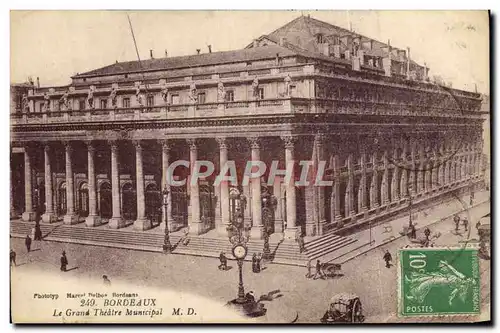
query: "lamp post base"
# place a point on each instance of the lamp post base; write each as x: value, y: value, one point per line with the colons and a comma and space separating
x: 247, y: 307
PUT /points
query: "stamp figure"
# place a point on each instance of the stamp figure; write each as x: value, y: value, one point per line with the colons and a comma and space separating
x: 438, y: 282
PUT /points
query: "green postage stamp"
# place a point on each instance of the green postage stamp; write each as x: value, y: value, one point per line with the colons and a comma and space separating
x: 438, y: 282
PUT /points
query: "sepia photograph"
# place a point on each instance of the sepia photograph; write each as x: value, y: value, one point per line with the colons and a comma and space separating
x: 251, y: 167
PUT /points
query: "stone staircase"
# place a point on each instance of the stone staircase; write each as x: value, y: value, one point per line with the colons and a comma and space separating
x: 283, y: 252
x: 322, y: 246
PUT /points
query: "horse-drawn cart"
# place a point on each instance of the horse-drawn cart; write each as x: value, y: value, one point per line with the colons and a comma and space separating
x: 344, y: 308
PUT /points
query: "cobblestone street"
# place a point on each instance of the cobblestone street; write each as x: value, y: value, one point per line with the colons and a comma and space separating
x: 365, y: 275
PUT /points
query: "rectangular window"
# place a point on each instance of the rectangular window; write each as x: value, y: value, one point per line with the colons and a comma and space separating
x: 230, y: 96
x: 292, y: 90
x: 104, y: 103
x: 261, y: 93
x: 202, y: 98
x: 81, y: 104
x: 175, y: 99
x: 126, y: 102
x: 150, y: 101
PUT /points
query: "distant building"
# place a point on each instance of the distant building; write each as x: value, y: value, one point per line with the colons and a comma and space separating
x: 97, y: 149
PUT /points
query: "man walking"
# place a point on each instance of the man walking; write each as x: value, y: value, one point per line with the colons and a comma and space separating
x: 223, y: 261
x: 106, y: 281
x: 456, y: 219
x: 13, y: 257
x: 318, y: 271
x: 27, y: 242
x: 309, y: 267
x: 466, y: 224
x: 64, y: 262
x: 387, y: 258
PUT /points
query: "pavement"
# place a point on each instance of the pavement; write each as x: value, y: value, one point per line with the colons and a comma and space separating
x: 295, y: 296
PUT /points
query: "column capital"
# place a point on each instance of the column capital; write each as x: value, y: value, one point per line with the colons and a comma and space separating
x: 46, y: 147
x: 68, y: 145
x: 137, y: 144
x: 90, y: 145
x: 222, y: 142
x: 113, y: 144
x: 165, y: 145
x: 254, y: 142
x: 289, y: 141
x: 192, y: 143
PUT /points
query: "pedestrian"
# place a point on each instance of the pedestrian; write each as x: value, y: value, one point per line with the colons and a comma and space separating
x: 223, y: 261
x: 64, y: 261
x: 38, y: 232
x: 106, y: 281
x: 13, y: 257
x: 27, y: 242
x: 387, y: 258
x: 309, y: 267
x: 456, y: 219
x: 466, y: 224
x: 427, y: 233
x: 258, y: 262
x: 300, y: 240
x: 478, y: 224
x: 254, y: 263
x: 471, y: 198
x: 185, y: 240
x: 318, y: 271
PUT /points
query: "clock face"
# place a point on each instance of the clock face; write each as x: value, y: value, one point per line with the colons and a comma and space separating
x: 239, y: 251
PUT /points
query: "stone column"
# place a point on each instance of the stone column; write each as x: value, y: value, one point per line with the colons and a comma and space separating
x: 319, y: 143
x: 142, y: 223
x: 395, y: 177
x: 413, y: 169
x: 374, y: 184
x: 93, y: 219
x: 116, y: 220
x: 48, y: 216
x: 291, y: 206
x: 257, y: 228
x: 403, y: 184
x: 385, y: 180
x: 71, y: 217
x: 28, y: 214
x: 421, y: 171
x: 13, y: 213
x: 165, y: 157
x: 195, y: 225
x: 335, y: 196
x: 349, y: 193
x: 362, y: 204
x: 278, y: 216
x: 224, y: 189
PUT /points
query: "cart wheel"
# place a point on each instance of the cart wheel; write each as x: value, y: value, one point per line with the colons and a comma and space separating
x: 357, y: 311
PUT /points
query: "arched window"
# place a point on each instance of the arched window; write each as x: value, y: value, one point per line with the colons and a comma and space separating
x: 83, y: 200
x: 61, y: 207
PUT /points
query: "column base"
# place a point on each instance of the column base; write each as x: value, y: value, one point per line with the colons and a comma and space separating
x: 93, y: 221
x: 289, y: 234
x: 70, y: 219
x: 195, y: 228
x: 321, y: 226
x: 142, y: 224
x: 28, y: 216
x: 257, y: 232
x: 49, y: 218
x: 222, y: 229
x: 278, y: 226
x: 311, y: 229
x: 116, y: 223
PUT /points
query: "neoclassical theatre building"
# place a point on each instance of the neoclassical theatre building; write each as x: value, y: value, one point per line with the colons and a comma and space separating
x: 96, y: 150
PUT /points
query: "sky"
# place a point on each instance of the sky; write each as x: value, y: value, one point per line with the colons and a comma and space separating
x: 54, y: 45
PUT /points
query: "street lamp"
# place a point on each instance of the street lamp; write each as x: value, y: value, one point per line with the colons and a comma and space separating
x: 238, y: 236
x: 167, y: 247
